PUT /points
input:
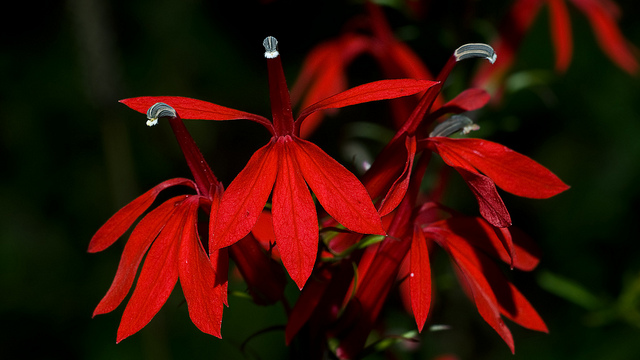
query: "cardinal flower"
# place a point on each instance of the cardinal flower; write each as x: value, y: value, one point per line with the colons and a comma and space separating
x: 169, y: 237
x: 286, y: 166
x: 601, y: 14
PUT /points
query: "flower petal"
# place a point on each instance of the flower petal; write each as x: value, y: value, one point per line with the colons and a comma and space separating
x: 480, y: 234
x: 189, y: 108
x: 468, y: 100
x: 511, y: 171
x: 244, y: 199
x: 341, y: 194
x: 204, y: 295
x: 158, y: 277
x: 420, y: 278
x: 399, y: 188
x: 374, y: 91
x: 139, y: 241
x: 483, y: 296
x: 122, y: 220
x: 295, y: 222
x: 511, y: 303
x: 608, y: 34
x: 561, y: 33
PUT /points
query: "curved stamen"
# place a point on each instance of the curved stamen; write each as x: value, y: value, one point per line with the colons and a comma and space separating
x: 159, y: 110
x: 474, y: 50
x: 454, y: 124
x: 271, y: 47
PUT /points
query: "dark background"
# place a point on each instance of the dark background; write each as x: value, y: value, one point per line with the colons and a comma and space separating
x: 71, y: 156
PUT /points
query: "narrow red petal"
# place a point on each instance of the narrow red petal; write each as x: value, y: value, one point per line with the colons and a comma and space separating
x: 244, y: 199
x: 374, y: 91
x: 189, y: 108
x: 608, y: 34
x: 308, y: 301
x: 125, y: 217
x: 420, y: 278
x: 511, y: 171
x: 561, y: 33
x: 468, y: 100
x: 492, y: 207
x: 479, y: 233
x: 205, y: 297
x: 341, y: 194
x: 511, y: 302
x: 483, y: 296
x: 399, y: 188
x: 157, y: 279
x: 139, y: 241
x: 295, y: 222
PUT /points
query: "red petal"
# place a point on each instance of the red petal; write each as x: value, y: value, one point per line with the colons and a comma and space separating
x: 477, y: 232
x: 374, y: 91
x: 244, y: 199
x: 561, y: 33
x: 189, y: 108
x: 157, y: 278
x: 122, y: 220
x: 264, y: 277
x: 483, y: 296
x: 204, y: 295
x: 139, y: 241
x: 608, y: 34
x: 468, y: 100
x: 294, y: 217
x: 341, y: 194
x: 263, y: 232
x: 491, y: 205
x: 511, y: 171
x: 307, y: 302
x: 420, y: 278
x: 399, y: 188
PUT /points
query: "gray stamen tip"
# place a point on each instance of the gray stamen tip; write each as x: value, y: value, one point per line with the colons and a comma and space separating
x: 454, y: 124
x: 159, y: 110
x: 475, y: 50
x: 270, y: 47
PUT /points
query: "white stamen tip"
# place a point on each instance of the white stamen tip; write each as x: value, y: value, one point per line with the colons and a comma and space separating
x: 159, y: 110
x: 270, y: 47
x: 475, y: 50
x: 454, y: 124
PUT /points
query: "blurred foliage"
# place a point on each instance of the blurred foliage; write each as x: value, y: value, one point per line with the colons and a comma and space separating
x: 72, y: 156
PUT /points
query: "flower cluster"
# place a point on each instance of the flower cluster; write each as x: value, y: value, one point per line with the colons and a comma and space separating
x: 295, y: 207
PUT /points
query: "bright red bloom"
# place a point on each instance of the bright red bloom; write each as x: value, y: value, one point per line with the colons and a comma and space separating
x: 511, y: 171
x: 324, y: 71
x: 286, y: 166
x: 602, y: 15
x: 469, y: 241
x: 168, y: 235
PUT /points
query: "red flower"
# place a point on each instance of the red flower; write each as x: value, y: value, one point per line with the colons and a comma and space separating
x: 602, y: 15
x: 511, y: 171
x: 168, y: 235
x: 324, y: 71
x: 470, y: 242
x: 286, y: 165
